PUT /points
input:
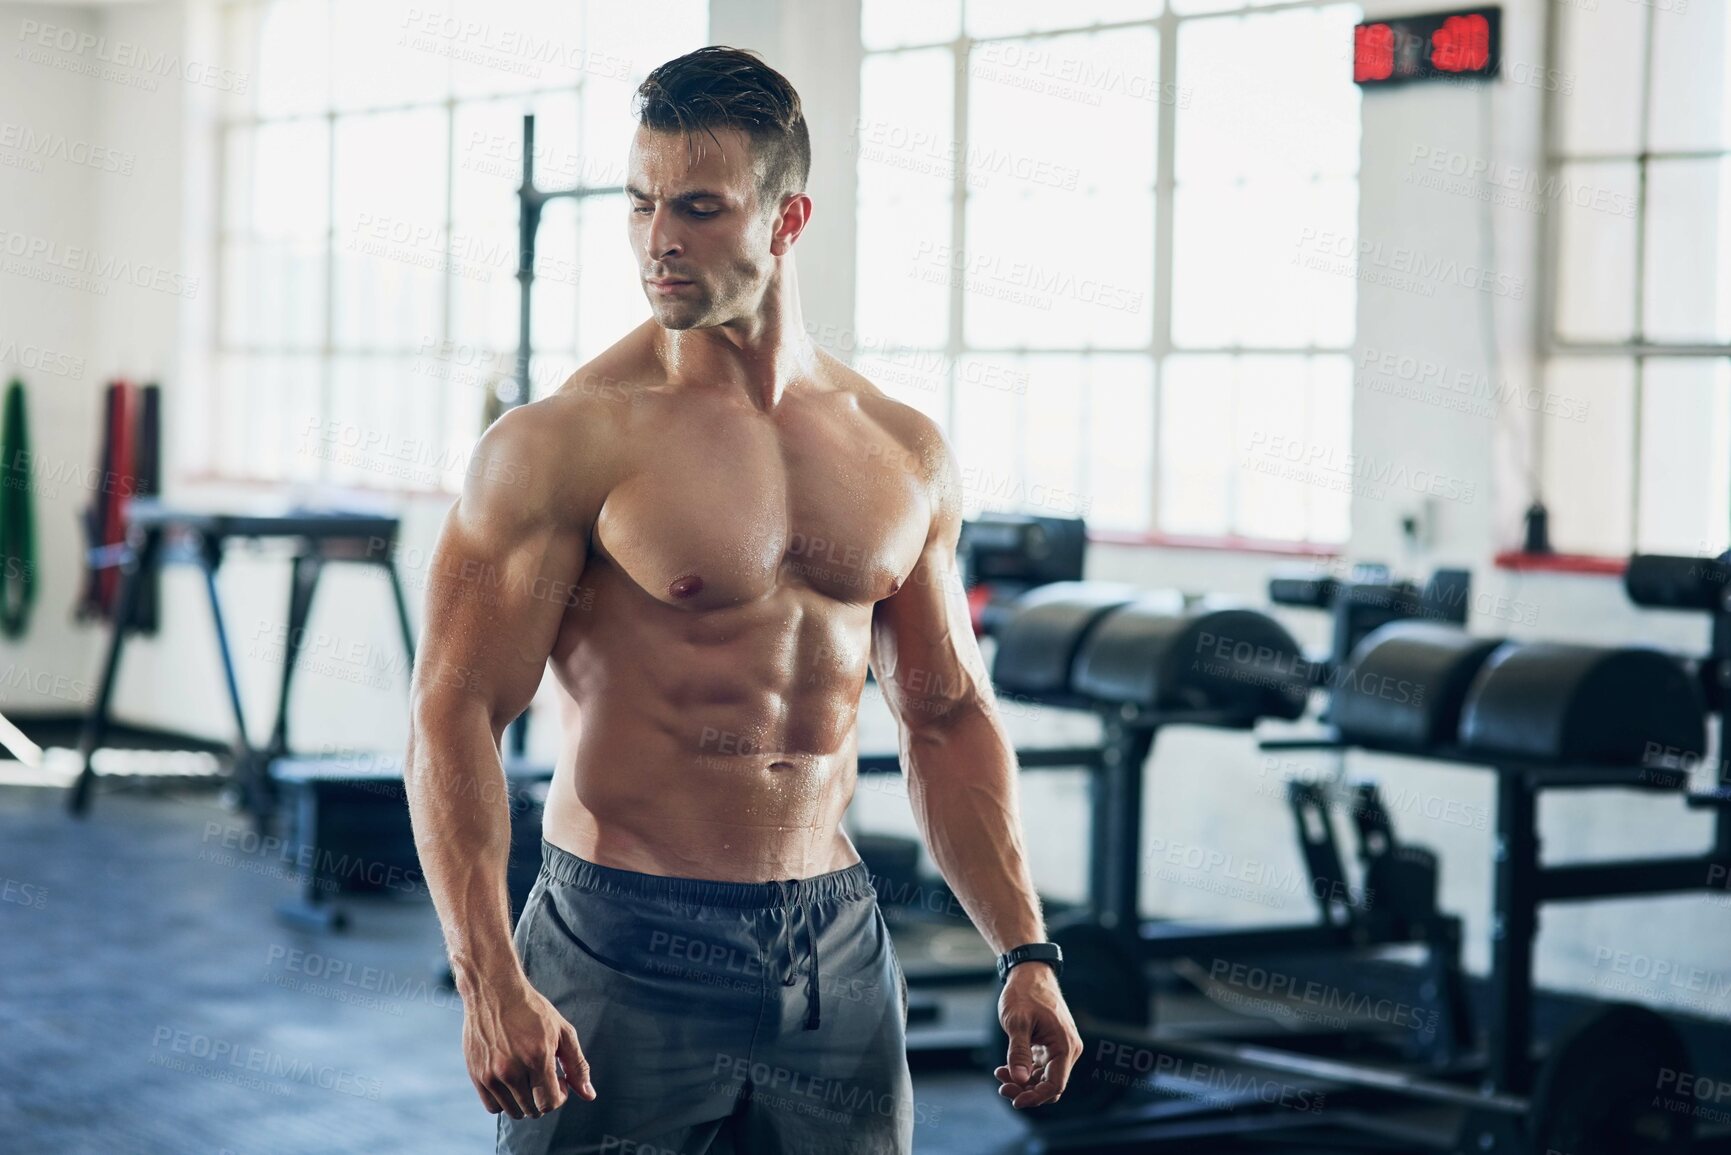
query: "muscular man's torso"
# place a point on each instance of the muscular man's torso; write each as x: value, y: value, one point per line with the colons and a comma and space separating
x: 710, y: 671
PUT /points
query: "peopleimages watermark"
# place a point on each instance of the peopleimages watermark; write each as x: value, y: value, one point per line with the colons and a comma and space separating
x: 22, y: 146
x: 339, y: 980
x: 1275, y: 773
x: 227, y: 1061
x: 1037, y: 67
x: 1517, y: 186
x: 18, y: 893
x: 41, y: 359
x: 41, y: 258
x: 928, y: 153
x: 838, y: 1101
x: 1018, y: 281
x: 1692, y: 988
x: 520, y: 50
x: 1466, y: 390
x: 332, y: 868
x: 1128, y: 1065
x: 1308, y: 996
x: 94, y: 55
x: 1298, y: 458
x: 1399, y: 266
x: 1250, y: 879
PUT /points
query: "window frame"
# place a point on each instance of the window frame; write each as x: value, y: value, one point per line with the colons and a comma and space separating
x: 1637, y: 349
x: 1161, y: 345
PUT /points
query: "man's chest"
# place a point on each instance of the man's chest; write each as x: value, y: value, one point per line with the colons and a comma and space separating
x: 720, y: 509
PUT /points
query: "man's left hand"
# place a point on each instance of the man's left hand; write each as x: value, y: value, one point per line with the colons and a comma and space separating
x: 1044, y: 1044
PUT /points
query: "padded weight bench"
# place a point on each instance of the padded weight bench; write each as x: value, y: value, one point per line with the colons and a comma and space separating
x: 347, y: 831
x: 1542, y: 716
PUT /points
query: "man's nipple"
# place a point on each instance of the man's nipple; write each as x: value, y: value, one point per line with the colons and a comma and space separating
x: 688, y: 586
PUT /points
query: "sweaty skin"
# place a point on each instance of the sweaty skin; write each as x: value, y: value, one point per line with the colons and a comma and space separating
x: 707, y: 534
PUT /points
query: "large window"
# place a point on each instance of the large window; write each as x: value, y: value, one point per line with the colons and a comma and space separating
x: 1639, y: 320
x: 1097, y: 244
x: 368, y: 241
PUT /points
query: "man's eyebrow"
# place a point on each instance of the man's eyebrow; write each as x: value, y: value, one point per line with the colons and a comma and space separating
x: 683, y: 198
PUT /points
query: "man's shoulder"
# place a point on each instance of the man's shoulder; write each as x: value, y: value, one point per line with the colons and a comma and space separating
x: 913, y: 431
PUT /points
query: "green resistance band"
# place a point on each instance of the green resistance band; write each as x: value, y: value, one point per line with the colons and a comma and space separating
x: 17, y: 520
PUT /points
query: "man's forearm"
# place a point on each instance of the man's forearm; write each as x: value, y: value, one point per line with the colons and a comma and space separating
x: 462, y: 820
x: 962, y: 783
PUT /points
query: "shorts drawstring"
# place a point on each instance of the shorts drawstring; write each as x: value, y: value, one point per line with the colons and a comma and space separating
x: 812, y: 1010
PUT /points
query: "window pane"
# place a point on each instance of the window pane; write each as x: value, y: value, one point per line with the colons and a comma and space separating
x: 1192, y: 7
x: 273, y: 295
x: 391, y: 170
x: 483, y: 285
x: 1267, y: 94
x: 1119, y: 457
x: 1596, y: 251
x: 294, y: 55
x: 1256, y: 446
x: 1268, y: 414
x: 278, y: 178
x: 893, y: 23
x: 524, y: 45
x: 610, y: 298
x: 268, y: 416
x: 1685, y: 485
x: 626, y: 41
x: 387, y: 55
x: 1687, y: 285
x: 389, y: 294
x: 1197, y: 452
x: 1603, y: 53
x: 1691, y: 103
x: 1588, y: 475
x: 1029, y: 281
x: 988, y: 443
x: 1054, y: 391
x: 904, y: 259
x: 1258, y: 264
x: 554, y: 307
x: 1330, y: 424
x: 383, y: 427
x: 1014, y: 17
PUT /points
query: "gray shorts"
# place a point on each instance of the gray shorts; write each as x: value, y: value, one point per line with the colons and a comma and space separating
x: 718, y: 1016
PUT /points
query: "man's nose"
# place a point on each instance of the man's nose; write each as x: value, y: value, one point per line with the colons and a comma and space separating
x: 661, y: 240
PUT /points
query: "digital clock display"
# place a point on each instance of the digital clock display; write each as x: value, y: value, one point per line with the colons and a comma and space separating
x: 1449, y: 44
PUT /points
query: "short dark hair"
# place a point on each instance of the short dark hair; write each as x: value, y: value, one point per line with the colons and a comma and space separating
x: 733, y: 88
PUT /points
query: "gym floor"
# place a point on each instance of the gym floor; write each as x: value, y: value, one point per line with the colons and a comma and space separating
x: 154, y: 946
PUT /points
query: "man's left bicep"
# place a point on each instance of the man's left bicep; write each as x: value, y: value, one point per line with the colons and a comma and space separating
x: 923, y: 647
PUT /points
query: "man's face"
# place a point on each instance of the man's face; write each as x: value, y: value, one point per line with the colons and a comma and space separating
x: 696, y: 220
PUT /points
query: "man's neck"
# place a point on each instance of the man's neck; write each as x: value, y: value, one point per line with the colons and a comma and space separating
x: 761, y: 355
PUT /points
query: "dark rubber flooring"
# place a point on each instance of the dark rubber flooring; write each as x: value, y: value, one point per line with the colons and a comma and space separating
x: 151, y: 1003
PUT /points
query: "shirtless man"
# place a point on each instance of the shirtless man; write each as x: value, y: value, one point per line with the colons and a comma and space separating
x: 750, y: 523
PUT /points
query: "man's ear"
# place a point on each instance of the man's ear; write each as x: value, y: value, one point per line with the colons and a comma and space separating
x: 790, y: 222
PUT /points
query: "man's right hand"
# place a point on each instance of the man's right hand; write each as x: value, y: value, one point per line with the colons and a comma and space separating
x: 515, y: 1043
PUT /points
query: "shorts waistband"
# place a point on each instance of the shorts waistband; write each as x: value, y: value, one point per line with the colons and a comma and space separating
x: 846, y: 884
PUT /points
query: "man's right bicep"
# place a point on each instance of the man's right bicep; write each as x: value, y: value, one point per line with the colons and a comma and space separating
x: 503, y: 572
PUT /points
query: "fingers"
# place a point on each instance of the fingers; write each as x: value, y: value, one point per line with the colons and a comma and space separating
x: 1062, y: 1054
x: 1020, y: 1058
x: 576, y: 1066
x: 487, y: 1099
x: 513, y: 1088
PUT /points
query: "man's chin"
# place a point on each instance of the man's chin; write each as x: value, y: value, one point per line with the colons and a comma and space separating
x: 669, y: 318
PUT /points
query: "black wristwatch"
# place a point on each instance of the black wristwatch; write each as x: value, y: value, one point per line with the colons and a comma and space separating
x: 1046, y: 952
